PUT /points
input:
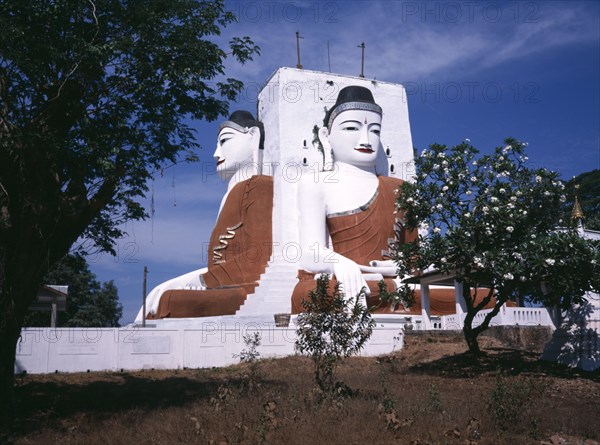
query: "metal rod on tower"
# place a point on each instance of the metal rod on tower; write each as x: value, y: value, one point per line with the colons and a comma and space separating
x: 298, y: 37
x: 362, y: 61
x: 144, y: 292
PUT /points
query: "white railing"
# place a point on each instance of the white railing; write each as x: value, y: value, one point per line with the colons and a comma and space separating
x: 508, y: 316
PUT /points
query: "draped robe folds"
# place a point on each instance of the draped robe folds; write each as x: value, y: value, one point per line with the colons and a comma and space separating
x: 239, y: 249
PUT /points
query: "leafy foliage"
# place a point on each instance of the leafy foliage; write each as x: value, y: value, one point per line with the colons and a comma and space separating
x: 492, y: 222
x: 331, y: 328
x: 89, y: 303
x: 95, y: 97
x: 402, y: 295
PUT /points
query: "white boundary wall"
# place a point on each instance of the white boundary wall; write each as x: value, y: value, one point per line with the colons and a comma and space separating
x: 187, y: 344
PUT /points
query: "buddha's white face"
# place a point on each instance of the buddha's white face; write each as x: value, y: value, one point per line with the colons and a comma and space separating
x: 234, y: 151
x: 354, y: 137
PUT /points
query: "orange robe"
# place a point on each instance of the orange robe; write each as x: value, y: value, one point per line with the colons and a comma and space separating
x: 362, y: 235
x: 238, y: 252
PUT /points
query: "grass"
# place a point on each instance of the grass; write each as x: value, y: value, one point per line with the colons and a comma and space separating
x: 427, y: 393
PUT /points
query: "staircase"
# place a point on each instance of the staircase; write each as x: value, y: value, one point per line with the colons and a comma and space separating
x: 274, y: 292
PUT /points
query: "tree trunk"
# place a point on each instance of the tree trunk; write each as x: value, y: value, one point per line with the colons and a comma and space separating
x: 10, y: 331
x: 18, y: 289
x: 468, y: 331
x: 471, y: 335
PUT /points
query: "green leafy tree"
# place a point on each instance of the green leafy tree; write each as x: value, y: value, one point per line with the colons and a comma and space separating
x: 89, y: 303
x: 492, y: 222
x: 331, y: 328
x: 95, y: 96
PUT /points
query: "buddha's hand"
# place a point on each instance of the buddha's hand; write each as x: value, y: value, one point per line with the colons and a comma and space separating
x: 387, y: 268
x: 349, y: 275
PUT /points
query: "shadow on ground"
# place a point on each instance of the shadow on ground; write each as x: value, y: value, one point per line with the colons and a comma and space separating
x: 40, y: 403
x: 499, y: 361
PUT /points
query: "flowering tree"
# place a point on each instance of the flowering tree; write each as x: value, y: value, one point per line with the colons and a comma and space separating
x: 491, y: 221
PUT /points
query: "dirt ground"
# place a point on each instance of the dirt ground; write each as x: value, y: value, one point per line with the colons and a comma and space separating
x: 430, y: 392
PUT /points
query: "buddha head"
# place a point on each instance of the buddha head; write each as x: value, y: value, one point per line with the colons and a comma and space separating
x: 239, y: 145
x: 352, y: 127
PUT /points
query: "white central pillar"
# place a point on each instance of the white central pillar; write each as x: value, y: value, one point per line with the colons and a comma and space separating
x: 425, y: 306
x: 461, y: 306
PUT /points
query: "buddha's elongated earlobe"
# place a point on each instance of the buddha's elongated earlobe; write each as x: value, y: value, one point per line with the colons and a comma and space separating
x: 257, y: 153
x: 327, y: 150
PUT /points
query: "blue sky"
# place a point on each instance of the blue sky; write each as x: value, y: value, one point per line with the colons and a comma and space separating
x: 473, y: 69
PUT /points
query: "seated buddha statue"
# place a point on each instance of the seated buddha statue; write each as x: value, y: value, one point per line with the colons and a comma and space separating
x: 354, y: 206
x: 240, y: 244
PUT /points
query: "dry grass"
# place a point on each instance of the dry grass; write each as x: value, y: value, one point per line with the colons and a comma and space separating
x: 428, y: 393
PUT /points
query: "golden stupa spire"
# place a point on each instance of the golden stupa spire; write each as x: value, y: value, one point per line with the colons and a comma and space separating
x: 577, y: 213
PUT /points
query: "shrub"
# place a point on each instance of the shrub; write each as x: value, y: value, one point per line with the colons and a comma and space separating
x: 330, y: 329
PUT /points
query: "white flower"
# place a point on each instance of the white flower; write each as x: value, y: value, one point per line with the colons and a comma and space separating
x: 436, y: 166
x: 469, y: 192
x: 501, y: 158
x: 510, y: 229
x: 443, y: 259
x: 519, y: 193
x: 437, y: 230
x: 485, y: 209
x: 523, y: 278
x: 488, y: 232
x: 445, y: 163
x: 445, y: 188
x: 502, y: 190
x: 547, y: 193
x: 494, y: 199
x: 507, y: 149
x: 538, y: 178
x: 495, y: 209
x: 511, y: 205
x: 423, y: 175
x: 533, y: 236
x: 473, y: 179
x: 410, y: 200
x: 562, y: 198
x: 508, y: 276
x: 467, y: 215
x: 439, y: 207
x: 550, y: 261
x: 441, y: 155
x: 513, y: 198
x: 517, y: 255
x: 524, y: 212
x: 474, y: 163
